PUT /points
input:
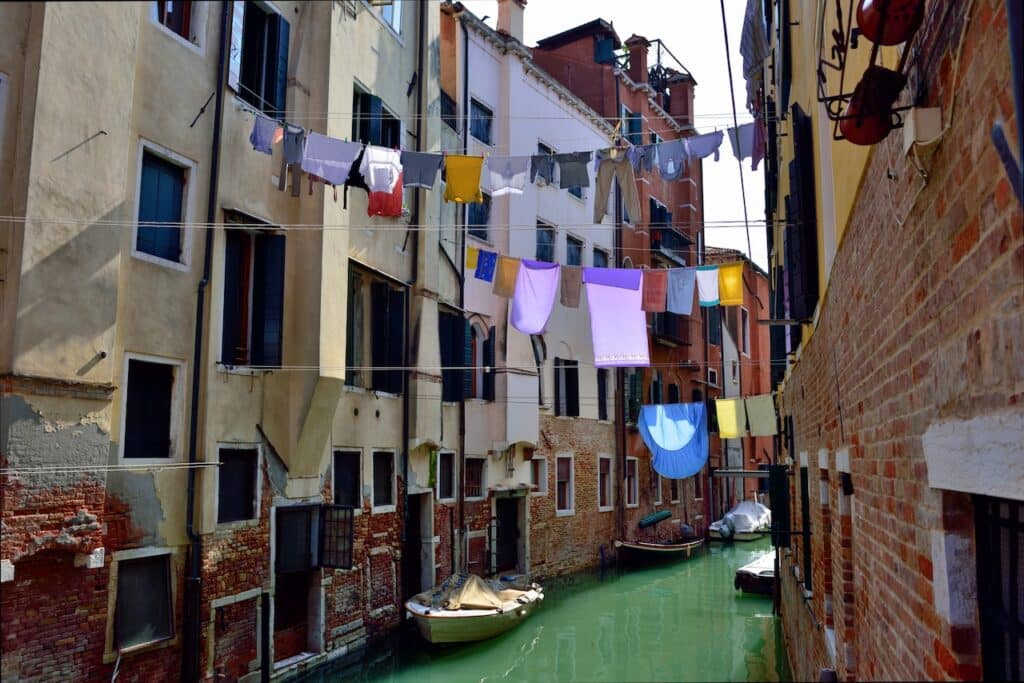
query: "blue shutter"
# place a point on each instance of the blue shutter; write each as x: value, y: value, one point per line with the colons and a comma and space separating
x: 268, y: 300
x: 378, y: 333
x: 161, y: 192
x: 234, y: 298
x: 281, y: 80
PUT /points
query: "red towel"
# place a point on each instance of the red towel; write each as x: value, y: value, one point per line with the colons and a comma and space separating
x: 655, y: 290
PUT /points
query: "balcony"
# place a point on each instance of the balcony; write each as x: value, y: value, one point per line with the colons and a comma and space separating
x: 670, y: 329
x: 670, y: 242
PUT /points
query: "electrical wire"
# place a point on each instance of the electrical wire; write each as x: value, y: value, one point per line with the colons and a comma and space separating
x: 732, y: 96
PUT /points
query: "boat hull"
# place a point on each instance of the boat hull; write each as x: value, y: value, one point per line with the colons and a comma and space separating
x: 748, y: 583
x: 640, y: 552
x: 465, y: 626
x: 738, y: 536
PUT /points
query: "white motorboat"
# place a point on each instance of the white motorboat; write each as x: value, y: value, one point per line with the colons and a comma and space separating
x: 747, y: 521
x: 757, y: 576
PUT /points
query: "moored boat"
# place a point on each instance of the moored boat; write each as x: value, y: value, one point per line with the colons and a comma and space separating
x: 757, y: 576
x: 745, y: 522
x: 641, y: 551
x: 467, y: 608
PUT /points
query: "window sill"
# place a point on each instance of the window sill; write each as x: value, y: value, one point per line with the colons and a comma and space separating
x: 482, y: 240
x: 538, y: 493
x: 158, y: 644
x: 243, y: 370
x: 181, y: 267
x: 353, y: 389
x: 673, y: 502
x: 475, y: 499
x: 447, y: 500
x: 238, y: 524
x: 605, y: 508
x: 198, y: 49
x: 383, y: 509
x: 385, y: 394
x: 565, y: 513
x: 121, y: 460
x: 632, y: 505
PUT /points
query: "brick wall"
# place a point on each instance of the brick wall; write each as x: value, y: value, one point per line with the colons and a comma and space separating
x: 235, y: 638
x: 922, y: 321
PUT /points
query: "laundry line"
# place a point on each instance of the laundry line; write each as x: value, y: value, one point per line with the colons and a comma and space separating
x: 125, y: 467
x: 682, y: 365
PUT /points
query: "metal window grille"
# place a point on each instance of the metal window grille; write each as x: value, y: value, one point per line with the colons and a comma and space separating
x: 337, y: 529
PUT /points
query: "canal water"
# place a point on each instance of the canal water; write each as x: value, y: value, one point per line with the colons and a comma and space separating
x: 677, y: 622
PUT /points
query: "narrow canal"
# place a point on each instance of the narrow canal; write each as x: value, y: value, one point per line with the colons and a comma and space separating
x: 680, y: 622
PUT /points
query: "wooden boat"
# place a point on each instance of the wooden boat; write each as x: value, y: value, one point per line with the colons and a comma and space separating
x: 757, y: 576
x: 641, y: 551
x: 472, y: 609
x: 745, y: 522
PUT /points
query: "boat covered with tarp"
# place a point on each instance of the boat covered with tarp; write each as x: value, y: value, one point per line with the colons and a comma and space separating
x: 745, y: 522
x: 757, y: 576
x: 467, y: 607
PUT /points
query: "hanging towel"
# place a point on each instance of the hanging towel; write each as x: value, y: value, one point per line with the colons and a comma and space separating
x: 505, y: 279
x: 671, y: 159
x: 462, y: 179
x: 506, y: 175
x: 732, y: 418
x: 572, y: 169
x: 677, y: 435
x: 419, y: 169
x: 707, y: 285
x: 328, y: 158
x: 681, y: 284
x: 486, y: 263
x: 700, y: 146
x: 617, y: 323
x: 761, y: 415
x: 262, y: 135
x: 472, y: 257
x: 655, y: 289
x: 730, y: 284
x: 536, y: 286
x: 572, y: 282
x: 742, y: 141
x: 386, y: 203
x: 381, y: 167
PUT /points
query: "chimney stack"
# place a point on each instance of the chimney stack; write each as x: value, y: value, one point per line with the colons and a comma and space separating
x: 637, y: 58
x: 680, y: 105
x: 510, y: 18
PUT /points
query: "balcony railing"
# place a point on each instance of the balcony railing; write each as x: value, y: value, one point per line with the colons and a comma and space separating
x: 670, y: 328
x: 670, y: 241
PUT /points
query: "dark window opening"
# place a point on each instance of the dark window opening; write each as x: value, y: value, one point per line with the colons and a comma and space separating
x: 161, y: 203
x: 563, y: 484
x: 478, y: 217
x: 176, y: 15
x: 480, y: 121
x: 805, y: 515
x: 347, y: 483
x: 383, y: 478
x: 143, y: 613
x: 383, y: 335
x: 605, y: 483
x: 698, y: 485
x: 372, y: 124
x: 291, y: 600
x: 656, y: 388
x: 449, y: 115
x: 456, y: 345
x: 446, y: 476
x: 148, y: 399
x: 634, y: 128
x: 539, y: 356
x: 999, y: 530
x: 545, y: 242
x: 539, y: 474
x: 600, y: 258
x: 236, y: 485
x: 567, y: 387
x: 263, y: 58
x: 602, y: 394
x: 474, y: 477
x: 714, y: 323
x: 573, y: 251
x: 633, y: 395
x: 673, y: 490
x: 254, y: 270
x: 673, y: 393
x: 632, y: 484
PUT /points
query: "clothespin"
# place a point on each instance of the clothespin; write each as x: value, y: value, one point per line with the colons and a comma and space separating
x: 613, y: 152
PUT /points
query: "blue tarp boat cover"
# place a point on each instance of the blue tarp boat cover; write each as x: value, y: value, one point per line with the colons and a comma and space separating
x: 677, y: 435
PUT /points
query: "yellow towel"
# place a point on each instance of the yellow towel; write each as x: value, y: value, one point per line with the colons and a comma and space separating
x: 732, y: 418
x: 505, y: 279
x: 462, y: 178
x: 730, y: 284
x: 472, y: 254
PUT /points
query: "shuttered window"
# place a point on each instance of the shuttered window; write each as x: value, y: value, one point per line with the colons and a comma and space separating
x: 634, y: 395
x: 478, y: 217
x: 372, y: 123
x: 564, y: 484
x: 634, y: 128
x: 604, y: 482
x: 489, y: 361
x: 258, y: 69
x: 805, y: 516
x: 347, y: 483
x: 714, y: 318
x: 383, y: 478
x: 567, y: 387
x: 801, y: 257
x: 148, y: 402
x: 161, y: 202
x: 143, y: 613
x: 545, y: 242
x: 387, y: 336
x: 236, y: 485
x: 253, y: 324
x: 451, y: 330
x: 602, y: 394
x: 632, y: 483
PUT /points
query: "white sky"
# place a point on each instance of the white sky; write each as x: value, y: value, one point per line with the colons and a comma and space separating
x: 692, y: 30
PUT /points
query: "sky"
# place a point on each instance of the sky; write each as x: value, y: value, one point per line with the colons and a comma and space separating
x: 692, y: 30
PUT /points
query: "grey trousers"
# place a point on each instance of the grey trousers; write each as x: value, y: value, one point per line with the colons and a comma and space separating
x: 622, y: 170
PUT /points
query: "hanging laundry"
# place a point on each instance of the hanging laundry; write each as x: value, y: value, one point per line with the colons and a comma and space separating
x: 677, y: 436
x: 742, y: 141
x: 419, y: 169
x: 536, y: 286
x: 294, y: 142
x: 730, y: 284
x: 328, y: 158
x: 386, y: 203
x: 262, y: 135
x: 572, y: 169
x: 505, y: 279
x: 617, y: 324
x: 542, y: 165
x: 622, y: 170
x: 754, y: 49
x: 700, y: 146
x: 572, y: 283
x: 506, y: 175
x: 462, y: 179
x: 760, y: 139
x: 472, y: 257
x: 381, y: 167
x: 681, y: 285
x: 643, y: 157
x: 732, y: 418
x: 486, y: 263
x: 761, y: 415
x: 707, y: 285
x: 672, y: 158
x: 655, y: 289
x: 277, y: 136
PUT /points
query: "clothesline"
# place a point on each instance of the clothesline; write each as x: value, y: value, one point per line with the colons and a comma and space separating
x: 680, y: 365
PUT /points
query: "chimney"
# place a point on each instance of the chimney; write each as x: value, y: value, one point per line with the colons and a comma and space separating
x: 680, y: 105
x: 510, y: 18
x: 637, y: 58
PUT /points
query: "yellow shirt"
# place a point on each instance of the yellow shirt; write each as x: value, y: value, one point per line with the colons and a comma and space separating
x: 730, y: 284
x: 462, y: 178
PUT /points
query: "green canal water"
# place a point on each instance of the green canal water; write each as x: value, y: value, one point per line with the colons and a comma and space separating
x: 678, y: 622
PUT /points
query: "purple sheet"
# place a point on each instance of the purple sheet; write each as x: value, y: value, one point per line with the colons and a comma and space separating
x: 617, y: 322
x: 536, y: 287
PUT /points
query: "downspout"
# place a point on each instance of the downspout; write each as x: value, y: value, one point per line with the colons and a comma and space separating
x: 462, y: 298
x: 190, y: 663
x: 621, y: 409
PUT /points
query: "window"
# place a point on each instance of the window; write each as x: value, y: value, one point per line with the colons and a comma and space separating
x: 564, y: 494
x: 449, y: 115
x: 149, y: 406
x: 539, y: 475
x: 182, y: 18
x: 480, y: 120
x: 602, y: 394
x: 543, y: 149
x: 258, y: 70
x: 632, y: 484
x: 999, y: 530
x: 656, y: 388
x: 656, y: 484
x: 673, y: 393
x: 445, y: 475
x: 545, y: 242
x: 633, y: 394
x: 475, y: 478
x: 308, y: 536
x: 714, y: 322
x: 456, y: 344
x: 805, y: 515
x: 604, y: 483
x: 372, y: 124
x: 391, y: 12
x: 653, y: 138
x: 713, y: 377
x: 573, y: 251
x: 347, y: 482
x: 540, y: 355
x: 673, y: 490
x: 254, y: 268
x: 143, y: 613
x: 236, y: 485
x: 634, y: 127
x: 600, y: 258
x: 744, y: 331
x: 567, y: 387
x: 383, y: 479
x: 161, y: 208
x: 576, y: 191
x: 478, y: 217
x: 384, y: 336
x: 480, y: 358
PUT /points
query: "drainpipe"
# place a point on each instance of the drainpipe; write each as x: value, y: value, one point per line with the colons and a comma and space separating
x: 190, y: 662
x: 462, y: 297
x: 620, y: 376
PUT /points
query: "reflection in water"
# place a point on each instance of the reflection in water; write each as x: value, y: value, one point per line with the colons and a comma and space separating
x: 677, y: 622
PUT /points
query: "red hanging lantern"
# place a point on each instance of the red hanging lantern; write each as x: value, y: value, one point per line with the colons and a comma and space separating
x: 868, y: 116
x: 889, y: 22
